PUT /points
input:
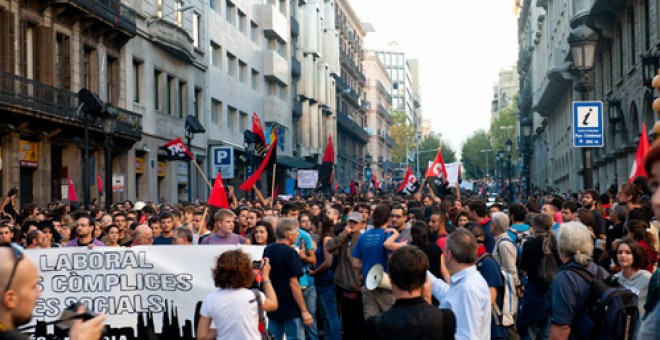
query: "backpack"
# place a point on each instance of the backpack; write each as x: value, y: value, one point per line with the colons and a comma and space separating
x: 548, y: 266
x: 521, y: 236
x: 506, y: 315
x: 611, y: 310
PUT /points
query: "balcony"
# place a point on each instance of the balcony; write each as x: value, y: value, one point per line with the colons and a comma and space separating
x: 296, y: 68
x: 52, y: 104
x: 172, y: 39
x: 385, y: 114
x: 345, y: 122
x: 295, y: 27
x: 274, y: 23
x: 275, y: 67
x: 350, y: 65
x: 100, y: 16
x: 340, y: 83
x: 297, y: 108
x: 389, y: 141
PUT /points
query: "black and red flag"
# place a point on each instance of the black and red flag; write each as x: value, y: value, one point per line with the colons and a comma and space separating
x: 177, y: 150
x: 252, y: 180
x: 353, y: 189
x: 410, y: 184
x: 325, y: 173
x: 436, y: 176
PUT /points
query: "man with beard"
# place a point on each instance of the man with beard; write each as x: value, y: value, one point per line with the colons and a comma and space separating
x: 438, y: 228
x: 399, y: 223
x: 590, y: 201
x: 19, y: 280
x: 84, y: 229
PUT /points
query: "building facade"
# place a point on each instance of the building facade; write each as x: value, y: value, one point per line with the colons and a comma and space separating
x: 48, y: 52
x: 507, y: 87
x: 625, y: 30
x: 351, y: 106
x: 379, y: 118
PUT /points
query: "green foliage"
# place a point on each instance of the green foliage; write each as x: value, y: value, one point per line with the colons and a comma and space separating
x: 499, y: 133
x: 427, y: 154
x: 403, y: 134
x: 473, y: 160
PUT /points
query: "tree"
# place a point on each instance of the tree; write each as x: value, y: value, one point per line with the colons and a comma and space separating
x: 499, y: 132
x: 404, y: 137
x: 473, y: 160
x: 428, y: 150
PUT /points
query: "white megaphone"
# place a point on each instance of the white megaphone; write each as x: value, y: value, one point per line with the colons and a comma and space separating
x: 378, y: 278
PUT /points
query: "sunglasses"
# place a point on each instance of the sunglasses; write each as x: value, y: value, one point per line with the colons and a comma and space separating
x: 18, y: 255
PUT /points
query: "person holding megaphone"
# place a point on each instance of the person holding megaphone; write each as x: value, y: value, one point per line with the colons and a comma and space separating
x: 370, y: 256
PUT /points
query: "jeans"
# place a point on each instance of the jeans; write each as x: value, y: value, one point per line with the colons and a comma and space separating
x: 327, y: 302
x: 309, y: 295
x: 352, y: 320
x: 535, y: 330
x: 293, y: 329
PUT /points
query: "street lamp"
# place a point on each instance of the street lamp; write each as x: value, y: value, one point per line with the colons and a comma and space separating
x: 367, y: 170
x: 177, y: 10
x: 501, y: 156
x: 487, y: 152
x: 649, y: 68
x: 509, y: 146
x: 583, y: 41
x: 526, y: 125
x: 90, y: 107
x: 193, y: 127
x: 109, y: 124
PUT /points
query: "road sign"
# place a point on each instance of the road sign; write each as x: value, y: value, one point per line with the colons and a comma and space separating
x: 588, y: 124
x: 222, y: 159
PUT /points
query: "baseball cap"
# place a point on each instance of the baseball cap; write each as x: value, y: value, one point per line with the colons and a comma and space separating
x: 139, y: 205
x: 354, y: 216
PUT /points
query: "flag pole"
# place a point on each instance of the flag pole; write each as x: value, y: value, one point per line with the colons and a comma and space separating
x: 203, y: 175
x: 199, y: 231
x: 272, y: 191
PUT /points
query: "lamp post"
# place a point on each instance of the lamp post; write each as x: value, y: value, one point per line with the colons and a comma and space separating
x: 498, y: 159
x: 367, y: 170
x: 109, y: 125
x: 487, y: 152
x: 583, y: 41
x: 193, y: 127
x: 509, y: 146
x: 90, y: 107
x: 649, y: 68
x: 501, y: 155
x: 526, y: 125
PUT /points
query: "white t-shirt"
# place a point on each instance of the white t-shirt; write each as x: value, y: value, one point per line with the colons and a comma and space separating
x: 234, y: 313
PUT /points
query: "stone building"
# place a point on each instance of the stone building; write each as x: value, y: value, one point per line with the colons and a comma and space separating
x: 626, y: 31
x: 506, y: 87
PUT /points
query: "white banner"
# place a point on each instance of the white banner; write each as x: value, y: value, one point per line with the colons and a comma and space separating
x: 307, y: 179
x: 146, y: 292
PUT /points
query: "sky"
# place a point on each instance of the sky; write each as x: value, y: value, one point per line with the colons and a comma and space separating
x: 461, y: 45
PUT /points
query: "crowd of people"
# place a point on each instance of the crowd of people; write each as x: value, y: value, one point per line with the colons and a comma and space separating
x: 453, y: 268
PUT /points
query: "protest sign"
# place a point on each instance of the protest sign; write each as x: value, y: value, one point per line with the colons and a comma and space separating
x: 307, y: 179
x: 146, y: 292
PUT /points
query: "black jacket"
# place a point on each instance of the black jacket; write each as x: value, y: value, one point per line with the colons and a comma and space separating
x: 412, y: 319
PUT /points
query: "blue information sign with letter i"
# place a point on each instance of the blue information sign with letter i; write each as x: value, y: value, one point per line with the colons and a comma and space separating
x: 588, y: 124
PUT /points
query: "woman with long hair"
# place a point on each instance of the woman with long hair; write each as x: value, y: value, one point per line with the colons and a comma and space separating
x: 637, y: 230
x: 233, y: 307
x: 262, y: 234
x: 630, y: 257
x: 324, y: 280
x: 112, y: 233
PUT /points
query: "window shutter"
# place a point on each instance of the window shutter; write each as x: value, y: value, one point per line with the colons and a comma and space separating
x: 45, y: 58
x: 7, y: 37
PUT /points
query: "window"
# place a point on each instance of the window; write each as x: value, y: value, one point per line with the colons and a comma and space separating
x: 620, y: 36
x: 254, y: 32
x: 216, y: 54
x: 229, y: 14
x: 647, y: 24
x: 171, y: 100
x: 157, y: 89
x: 216, y: 110
x: 112, y: 84
x: 197, y: 29
x: 272, y: 89
x: 87, y: 67
x: 159, y: 8
x: 183, y: 99
x: 631, y: 31
x: 282, y: 6
x: 242, y: 121
x: 179, y: 14
x: 255, y: 80
x: 282, y: 91
x: 242, y: 72
x: 197, y: 109
x: 137, y: 80
x: 212, y: 4
x: 63, y: 62
x: 231, y: 64
x: 231, y: 113
x: 242, y: 22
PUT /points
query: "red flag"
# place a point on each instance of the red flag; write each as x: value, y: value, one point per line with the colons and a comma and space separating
x: 99, y: 184
x: 437, y: 169
x: 250, y: 182
x: 352, y: 189
x: 329, y: 155
x: 276, y: 189
x: 218, y: 196
x: 642, y: 150
x: 72, y: 192
x: 325, y: 172
x: 177, y: 150
x: 257, y: 129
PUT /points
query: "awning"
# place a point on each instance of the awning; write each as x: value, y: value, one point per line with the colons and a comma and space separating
x: 294, y: 163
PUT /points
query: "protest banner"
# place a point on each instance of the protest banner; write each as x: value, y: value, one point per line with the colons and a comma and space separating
x: 146, y: 292
x: 307, y: 179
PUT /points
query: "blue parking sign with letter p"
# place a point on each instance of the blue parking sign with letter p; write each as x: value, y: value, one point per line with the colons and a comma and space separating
x: 222, y: 159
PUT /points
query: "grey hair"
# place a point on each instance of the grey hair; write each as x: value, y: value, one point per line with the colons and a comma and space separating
x: 463, y: 246
x: 285, y: 226
x: 575, y: 241
x: 620, y: 211
x: 501, y: 221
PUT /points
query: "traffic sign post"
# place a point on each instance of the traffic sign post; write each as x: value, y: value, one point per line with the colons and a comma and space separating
x: 588, y: 124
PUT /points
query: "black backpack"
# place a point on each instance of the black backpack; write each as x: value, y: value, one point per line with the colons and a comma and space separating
x: 611, y: 310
